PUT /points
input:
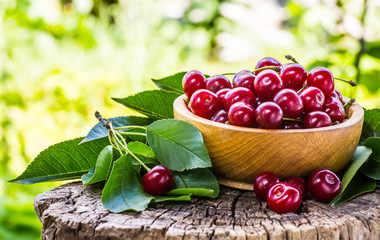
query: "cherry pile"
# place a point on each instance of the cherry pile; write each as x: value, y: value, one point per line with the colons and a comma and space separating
x: 274, y: 95
x: 286, y: 196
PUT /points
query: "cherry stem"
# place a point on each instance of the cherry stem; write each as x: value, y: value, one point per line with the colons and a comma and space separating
x: 129, y: 127
x: 224, y: 74
x: 132, y: 133
x: 352, y: 83
x: 292, y: 119
x: 289, y: 57
x: 349, y: 103
x: 303, y: 87
x: 276, y: 68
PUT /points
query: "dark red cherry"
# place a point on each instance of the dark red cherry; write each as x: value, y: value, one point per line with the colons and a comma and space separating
x: 334, y: 108
x: 266, y: 62
x: 244, y: 79
x: 267, y: 83
x: 269, y: 115
x: 220, y: 116
x: 204, y: 103
x: 312, y: 99
x: 221, y: 93
x: 192, y: 81
x: 293, y: 75
x: 263, y: 182
x: 241, y: 114
x: 217, y: 82
x: 316, y: 119
x: 283, y: 198
x: 239, y: 94
x: 290, y: 103
x: 291, y: 125
x: 158, y: 181
x: 322, y: 78
x: 298, y: 183
x: 336, y: 94
x: 324, y: 185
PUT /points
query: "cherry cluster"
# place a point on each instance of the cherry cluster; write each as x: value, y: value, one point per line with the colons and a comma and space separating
x: 286, y: 196
x: 274, y: 95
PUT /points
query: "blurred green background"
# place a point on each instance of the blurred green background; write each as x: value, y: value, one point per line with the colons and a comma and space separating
x: 62, y: 60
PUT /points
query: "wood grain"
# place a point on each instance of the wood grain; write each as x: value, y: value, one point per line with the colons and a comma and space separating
x: 238, y: 154
x: 74, y: 211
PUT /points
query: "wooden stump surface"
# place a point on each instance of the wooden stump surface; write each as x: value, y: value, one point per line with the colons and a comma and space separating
x: 74, y: 211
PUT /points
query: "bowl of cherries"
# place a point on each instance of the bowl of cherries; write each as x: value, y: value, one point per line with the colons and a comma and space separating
x: 277, y: 118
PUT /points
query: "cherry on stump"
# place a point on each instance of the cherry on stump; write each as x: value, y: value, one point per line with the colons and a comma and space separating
x: 74, y: 211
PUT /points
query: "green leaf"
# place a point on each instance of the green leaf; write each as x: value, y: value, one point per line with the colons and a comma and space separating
x: 202, y: 192
x: 371, y: 169
x: 373, y: 49
x: 359, y: 184
x: 63, y: 161
x: 196, y: 179
x: 171, y: 83
x: 165, y: 198
x: 374, y: 144
x: 102, y: 167
x: 156, y: 104
x: 99, y: 131
x: 371, y: 125
x: 123, y: 190
x: 361, y: 155
x: 141, y: 149
x: 178, y: 145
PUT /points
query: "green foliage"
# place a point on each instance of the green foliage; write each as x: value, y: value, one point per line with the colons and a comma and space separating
x: 171, y: 83
x: 102, y: 167
x: 178, y: 145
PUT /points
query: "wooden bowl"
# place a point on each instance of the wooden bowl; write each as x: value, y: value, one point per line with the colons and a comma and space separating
x: 238, y: 154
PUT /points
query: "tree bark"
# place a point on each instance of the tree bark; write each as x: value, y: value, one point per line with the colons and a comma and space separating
x: 74, y: 211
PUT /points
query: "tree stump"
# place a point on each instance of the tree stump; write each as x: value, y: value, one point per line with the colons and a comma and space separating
x: 74, y: 211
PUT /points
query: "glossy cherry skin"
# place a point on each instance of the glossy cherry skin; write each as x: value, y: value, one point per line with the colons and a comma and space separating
x: 266, y: 62
x: 217, y: 82
x: 220, y: 116
x: 290, y: 103
x: 204, y: 103
x: 267, y: 83
x: 340, y: 96
x: 312, y: 99
x: 283, y: 198
x: 316, y: 119
x: 293, y: 75
x: 334, y: 108
x: 192, y: 81
x: 263, y: 182
x: 324, y: 185
x: 221, y: 93
x: 269, y: 115
x: 239, y: 94
x: 321, y: 78
x: 244, y: 79
x: 291, y: 125
x: 298, y: 183
x: 241, y: 114
x: 158, y: 181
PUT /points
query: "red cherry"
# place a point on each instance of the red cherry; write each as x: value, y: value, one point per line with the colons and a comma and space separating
x: 283, y: 198
x: 266, y: 62
x: 239, y: 94
x: 241, y: 114
x: 322, y: 78
x: 269, y: 115
x: 324, y: 185
x: 290, y: 103
x: 217, y: 82
x: 263, y: 182
x: 220, y: 116
x: 192, y: 81
x: 291, y: 125
x: 312, y: 99
x: 293, y: 75
x: 158, y: 181
x: 221, y: 93
x: 336, y: 94
x: 316, y: 119
x: 267, y: 83
x: 298, y: 183
x: 244, y: 79
x: 204, y: 103
x: 334, y: 108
